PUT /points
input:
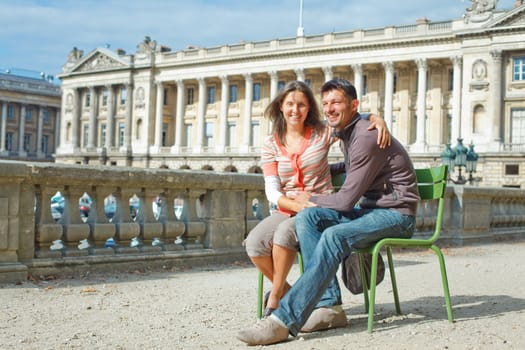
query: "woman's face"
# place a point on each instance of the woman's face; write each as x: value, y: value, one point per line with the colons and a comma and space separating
x: 295, y: 108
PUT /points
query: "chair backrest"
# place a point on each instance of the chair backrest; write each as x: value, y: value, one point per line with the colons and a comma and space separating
x: 432, y: 183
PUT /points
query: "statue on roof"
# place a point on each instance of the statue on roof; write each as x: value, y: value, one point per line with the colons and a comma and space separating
x: 147, y: 45
x: 74, y: 55
x: 480, y: 10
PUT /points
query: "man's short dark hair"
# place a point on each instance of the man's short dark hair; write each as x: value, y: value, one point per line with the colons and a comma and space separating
x: 340, y: 84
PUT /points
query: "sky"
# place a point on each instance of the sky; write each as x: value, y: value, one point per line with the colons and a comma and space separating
x: 37, y: 35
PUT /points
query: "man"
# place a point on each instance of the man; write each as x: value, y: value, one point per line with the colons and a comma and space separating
x: 381, y: 181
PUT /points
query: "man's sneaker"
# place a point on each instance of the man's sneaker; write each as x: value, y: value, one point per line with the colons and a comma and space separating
x: 265, y: 331
x: 325, y: 318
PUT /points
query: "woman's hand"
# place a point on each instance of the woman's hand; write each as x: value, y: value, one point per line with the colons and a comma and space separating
x: 383, y: 134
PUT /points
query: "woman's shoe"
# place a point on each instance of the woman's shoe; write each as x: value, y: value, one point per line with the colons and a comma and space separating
x: 267, y: 311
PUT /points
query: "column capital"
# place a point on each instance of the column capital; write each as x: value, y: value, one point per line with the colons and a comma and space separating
x: 457, y: 60
x: 224, y: 78
x: 273, y: 74
x: 357, y: 67
x: 248, y: 77
x: 180, y: 83
x: 422, y: 63
x: 327, y: 70
x: 201, y: 80
x: 496, y: 55
x: 389, y: 66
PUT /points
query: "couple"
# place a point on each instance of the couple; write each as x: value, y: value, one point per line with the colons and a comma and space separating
x: 328, y: 225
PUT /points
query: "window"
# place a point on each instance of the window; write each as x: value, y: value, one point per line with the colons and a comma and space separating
x: 395, y: 83
x: 257, y: 92
x: 189, y: 96
x: 519, y: 69
x: 517, y: 126
x: 105, y: 97
x: 123, y: 95
x: 450, y: 79
x: 365, y: 85
x: 46, y: 116
x: 280, y: 84
x: 255, y: 134
x: 29, y: 114
x: 103, y: 138
x: 208, y: 141
x: 27, y: 142
x: 88, y: 98
x: 211, y: 94
x: 231, y: 141
x: 512, y: 169
x: 86, y: 134
x: 10, y: 112
x: 121, y: 133
x: 45, y: 143
x: 308, y: 82
x: 233, y: 93
x: 165, y: 97
x: 164, y: 135
x: 188, y: 135
x: 9, y: 141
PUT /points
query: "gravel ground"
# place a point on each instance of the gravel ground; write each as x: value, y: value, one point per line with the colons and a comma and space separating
x: 204, y: 308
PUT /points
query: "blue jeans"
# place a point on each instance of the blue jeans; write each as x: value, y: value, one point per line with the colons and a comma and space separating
x: 326, y: 237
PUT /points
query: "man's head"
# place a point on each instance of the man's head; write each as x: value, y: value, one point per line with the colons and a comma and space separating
x: 339, y: 101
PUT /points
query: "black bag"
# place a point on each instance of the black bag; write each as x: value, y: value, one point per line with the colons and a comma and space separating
x: 351, y: 272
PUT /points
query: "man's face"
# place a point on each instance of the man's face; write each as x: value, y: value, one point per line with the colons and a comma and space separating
x: 337, y: 109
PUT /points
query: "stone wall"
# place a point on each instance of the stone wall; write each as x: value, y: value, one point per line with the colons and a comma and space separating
x: 203, y: 217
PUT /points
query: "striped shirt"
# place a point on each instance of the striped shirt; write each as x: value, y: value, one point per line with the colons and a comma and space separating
x: 307, y: 170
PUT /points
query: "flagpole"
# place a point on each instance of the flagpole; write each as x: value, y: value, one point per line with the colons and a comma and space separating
x: 300, y: 29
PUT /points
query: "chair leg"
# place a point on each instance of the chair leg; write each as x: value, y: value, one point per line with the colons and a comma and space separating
x: 373, y: 280
x: 300, y: 261
x: 445, y: 282
x: 260, y: 287
x: 393, y: 279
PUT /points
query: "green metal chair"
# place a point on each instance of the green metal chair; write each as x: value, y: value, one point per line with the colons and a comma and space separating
x: 432, y: 185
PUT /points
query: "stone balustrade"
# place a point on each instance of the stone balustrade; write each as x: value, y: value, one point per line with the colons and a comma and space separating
x: 163, y: 217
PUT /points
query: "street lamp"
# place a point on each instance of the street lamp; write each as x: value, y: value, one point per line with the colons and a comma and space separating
x: 472, y: 162
x: 460, y: 157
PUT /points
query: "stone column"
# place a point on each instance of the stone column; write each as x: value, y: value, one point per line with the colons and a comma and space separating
x: 75, y: 122
x: 225, y: 102
x: 3, y: 126
x: 179, y: 117
x: 274, y: 81
x: 455, y: 131
x: 110, y: 137
x: 299, y: 72
x: 201, y: 110
x: 496, y: 98
x: 358, y: 79
x: 57, y: 128
x: 247, y: 124
x: 92, y: 141
x: 419, y: 145
x: 129, y: 119
x: 40, y: 127
x: 157, y: 143
x: 389, y: 92
x: 328, y: 74
x: 21, y: 132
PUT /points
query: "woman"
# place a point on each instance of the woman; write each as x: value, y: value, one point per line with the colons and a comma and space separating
x: 294, y: 158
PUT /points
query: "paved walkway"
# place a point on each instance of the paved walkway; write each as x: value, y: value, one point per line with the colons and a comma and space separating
x: 204, y: 308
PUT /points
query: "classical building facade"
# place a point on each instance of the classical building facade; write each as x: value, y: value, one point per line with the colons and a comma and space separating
x: 202, y: 108
x: 30, y: 115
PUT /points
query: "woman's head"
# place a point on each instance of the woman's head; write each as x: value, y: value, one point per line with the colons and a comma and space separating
x: 274, y: 109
